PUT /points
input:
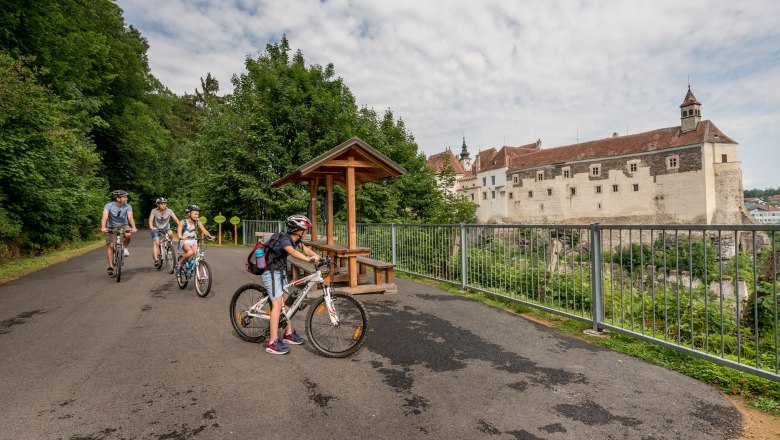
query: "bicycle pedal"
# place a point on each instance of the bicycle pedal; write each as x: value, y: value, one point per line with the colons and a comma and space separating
x: 303, y: 306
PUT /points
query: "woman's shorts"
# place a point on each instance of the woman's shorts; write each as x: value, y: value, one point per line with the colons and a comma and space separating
x: 274, y: 281
x: 189, y: 243
x: 156, y: 234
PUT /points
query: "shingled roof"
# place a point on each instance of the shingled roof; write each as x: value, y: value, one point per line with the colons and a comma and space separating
x: 649, y: 141
x: 504, y: 156
x: 438, y: 161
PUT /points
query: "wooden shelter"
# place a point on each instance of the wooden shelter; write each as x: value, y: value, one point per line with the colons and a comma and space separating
x: 349, y: 164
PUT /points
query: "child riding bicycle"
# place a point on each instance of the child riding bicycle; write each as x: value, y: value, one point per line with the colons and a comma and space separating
x: 188, y: 234
x: 117, y: 214
x: 160, y: 223
x: 275, y: 277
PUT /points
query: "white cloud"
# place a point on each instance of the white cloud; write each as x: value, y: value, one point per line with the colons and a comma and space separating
x: 504, y: 72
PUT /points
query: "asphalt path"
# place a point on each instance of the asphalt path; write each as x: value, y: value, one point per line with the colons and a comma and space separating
x: 83, y: 357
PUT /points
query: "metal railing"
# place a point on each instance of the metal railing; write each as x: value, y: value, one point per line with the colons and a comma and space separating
x: 706, y: 290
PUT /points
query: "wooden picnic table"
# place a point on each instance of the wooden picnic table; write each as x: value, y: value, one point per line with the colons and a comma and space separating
x: 338, y: 250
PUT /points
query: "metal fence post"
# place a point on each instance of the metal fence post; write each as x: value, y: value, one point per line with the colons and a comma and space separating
x: 393, y: 243
x: 463, y: 265
x: 596, y: 280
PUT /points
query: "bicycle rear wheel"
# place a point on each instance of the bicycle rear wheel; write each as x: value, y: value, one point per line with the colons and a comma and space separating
x: 249, y: 328
x: 340, y: 340
x: 202, y: 278
x: 119, y: 257
x: 170, y: 257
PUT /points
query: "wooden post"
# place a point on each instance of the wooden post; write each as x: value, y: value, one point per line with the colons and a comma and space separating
x: 313, y: 198
x: 235, y: 235
x: 351, y: 223
x: 329, y: 189
x: 220, y: 233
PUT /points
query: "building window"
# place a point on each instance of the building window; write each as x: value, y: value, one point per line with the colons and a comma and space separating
x: 515, y: 179
x: 598, y: 189
x: 492, y: 180
x: 484, y: 181
x: 549, y: 191
x: 632, y: 167
x: 595, y: 170
x: 724, y: 158
x: 493, y: 194
x: 599, y: 205
x: 540, y: 176
x: 614, y: 188
x: 636, y: 187
x: 541, y: 207
x: 566, y: 173
x: 530, y: 194
x: 573, y: 191
x: 672, y: 162
x: 484, y: 196
x: 511, y: 195
x: 472, y: 197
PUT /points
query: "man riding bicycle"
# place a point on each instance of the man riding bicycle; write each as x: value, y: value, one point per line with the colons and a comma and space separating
x: 160, y: 223
x: 117, y: 214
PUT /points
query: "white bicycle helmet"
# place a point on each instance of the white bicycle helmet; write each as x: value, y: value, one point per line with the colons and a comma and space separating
x: 297, y: 223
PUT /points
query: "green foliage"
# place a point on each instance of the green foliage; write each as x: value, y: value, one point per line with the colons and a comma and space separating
x: 281, y: 115
x: 48, y: 167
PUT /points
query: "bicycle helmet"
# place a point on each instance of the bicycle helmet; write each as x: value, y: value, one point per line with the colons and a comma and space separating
x: 297, y: 223
x: 161, y: 200
x: 193, y: 208
x: 117, y: 194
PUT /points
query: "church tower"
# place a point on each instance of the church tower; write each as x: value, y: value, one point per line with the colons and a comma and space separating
x: 690, y: 112
x: 465, y: 158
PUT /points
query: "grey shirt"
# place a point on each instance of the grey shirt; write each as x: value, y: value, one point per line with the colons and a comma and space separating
x: 162, y: 220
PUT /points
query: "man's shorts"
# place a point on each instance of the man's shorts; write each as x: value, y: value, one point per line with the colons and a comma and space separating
x: 274, y: 285
x: 111, y: 237
x: 156, y: 234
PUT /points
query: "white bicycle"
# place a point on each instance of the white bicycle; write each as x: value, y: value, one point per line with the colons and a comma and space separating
x: 336, y: 324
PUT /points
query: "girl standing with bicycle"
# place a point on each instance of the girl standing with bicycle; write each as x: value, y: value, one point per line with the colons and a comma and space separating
x: 160, y: 223
x: 117, y: 214
x: 274, y: 278
x: 188, y: 234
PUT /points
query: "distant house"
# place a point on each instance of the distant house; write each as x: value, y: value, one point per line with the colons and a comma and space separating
x: 766, y: 214
x: 447, y: 159
x: 683, y: 174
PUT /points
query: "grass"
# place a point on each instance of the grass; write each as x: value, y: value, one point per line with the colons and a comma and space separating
x: 760, y: 393
x: 17, y: 269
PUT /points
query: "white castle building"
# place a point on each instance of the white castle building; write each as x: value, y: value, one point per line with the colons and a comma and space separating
x: 683, y: 174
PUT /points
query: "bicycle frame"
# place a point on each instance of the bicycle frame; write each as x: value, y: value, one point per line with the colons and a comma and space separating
x: 310, y: 281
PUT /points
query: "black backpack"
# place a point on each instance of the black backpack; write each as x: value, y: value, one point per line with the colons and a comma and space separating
x: 258, y: 265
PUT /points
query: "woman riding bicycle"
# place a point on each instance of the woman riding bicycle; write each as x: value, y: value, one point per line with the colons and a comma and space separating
x: 117, y: 214
x: 160, y: 223
x: 274, y: 278
x: 188, y: 234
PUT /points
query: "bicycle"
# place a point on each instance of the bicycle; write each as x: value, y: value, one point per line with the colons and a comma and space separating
x: 118, y: 259
x: 166, y: 253
x: 196, y: 267
x: 338, y: 333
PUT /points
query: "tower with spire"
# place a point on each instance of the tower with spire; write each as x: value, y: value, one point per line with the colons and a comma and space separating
x: 690, y: 112
x: 465, y: 158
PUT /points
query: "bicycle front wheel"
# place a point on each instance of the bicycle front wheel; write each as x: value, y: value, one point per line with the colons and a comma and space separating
x: 170, y: 257
x: 342, y: 339
x: 202, y: 278
x: 119, y: 257
x: 250, y: 298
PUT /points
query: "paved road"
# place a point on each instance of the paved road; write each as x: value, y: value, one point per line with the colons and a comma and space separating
x: 82, y: 357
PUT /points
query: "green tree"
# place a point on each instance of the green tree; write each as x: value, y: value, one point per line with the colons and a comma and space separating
x: 48, y: 167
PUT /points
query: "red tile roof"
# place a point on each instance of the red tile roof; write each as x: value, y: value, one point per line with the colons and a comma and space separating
x: 438, y: 161
x: 504, y: 156
x: 649, y: 141
x: 689, y: 99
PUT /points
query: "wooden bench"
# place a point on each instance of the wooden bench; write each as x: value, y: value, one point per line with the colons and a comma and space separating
x: 300, y: 268
x: 380, y: 267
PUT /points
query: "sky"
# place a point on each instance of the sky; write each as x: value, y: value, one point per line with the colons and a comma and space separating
x: 504, y: 72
